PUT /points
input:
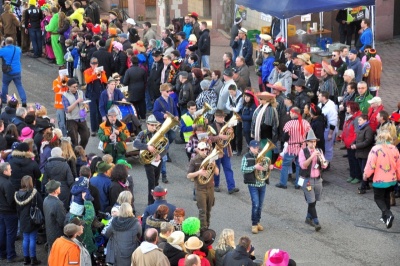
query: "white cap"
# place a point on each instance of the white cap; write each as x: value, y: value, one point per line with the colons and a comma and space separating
x: 131, y: 21
x: 375, y: 100
x: 243, y: 30
x: 202, y: 145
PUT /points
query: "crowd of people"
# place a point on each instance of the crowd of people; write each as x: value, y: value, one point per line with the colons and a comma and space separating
x: 87, y: 201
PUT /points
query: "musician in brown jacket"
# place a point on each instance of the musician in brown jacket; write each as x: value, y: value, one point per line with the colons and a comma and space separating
x: 204, y: 189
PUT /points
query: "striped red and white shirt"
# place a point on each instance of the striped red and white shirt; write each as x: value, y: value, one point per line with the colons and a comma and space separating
x: 296, y: 140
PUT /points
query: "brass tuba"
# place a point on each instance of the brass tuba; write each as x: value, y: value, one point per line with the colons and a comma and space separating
x: 207, y: 164
x: 159, y: 141
x: 200, y: 113
x: 224, y: 130
x: 264, y: 161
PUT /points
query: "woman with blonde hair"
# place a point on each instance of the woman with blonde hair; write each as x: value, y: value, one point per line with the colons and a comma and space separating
x: 69, y: 155
x: 226, y: 243
x: 384, y: 164
x: 123, y: 234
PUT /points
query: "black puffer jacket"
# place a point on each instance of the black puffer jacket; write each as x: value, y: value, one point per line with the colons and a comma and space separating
x: 7, y: 202
x: 22, y: 164
x: 238, y: 257
x: 7, y: 115
x: 26, y: 199
x: 57, y: 169
x: 173, y: 254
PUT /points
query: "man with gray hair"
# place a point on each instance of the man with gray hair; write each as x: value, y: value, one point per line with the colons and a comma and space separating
x: 243, y: 70
x: 224, y: 92
x: 57, y: 168
x: 11, y: 55
x: 19, y: 119
x: 8, y: 216
x: 192, y: 260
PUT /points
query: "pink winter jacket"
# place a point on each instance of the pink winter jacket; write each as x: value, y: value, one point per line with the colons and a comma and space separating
x: 384, y: 163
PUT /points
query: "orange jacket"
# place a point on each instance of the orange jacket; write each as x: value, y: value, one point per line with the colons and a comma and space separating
x: 91, y: 76
x: 64, y: 252
x: 58, y: 91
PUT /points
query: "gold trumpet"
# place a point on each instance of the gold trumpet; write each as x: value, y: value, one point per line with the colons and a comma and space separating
x: 224, y: 130
x: 200, y: 113
x: 63, y: 82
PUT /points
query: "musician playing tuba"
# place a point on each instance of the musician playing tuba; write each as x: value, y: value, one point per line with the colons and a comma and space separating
x: 225, y: 160
x: 152, y: 168
x: 257, y: 187
x: 204, y: 191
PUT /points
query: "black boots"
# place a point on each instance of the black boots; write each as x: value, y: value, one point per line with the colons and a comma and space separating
x: 27, y: 261
x: 35, y: 261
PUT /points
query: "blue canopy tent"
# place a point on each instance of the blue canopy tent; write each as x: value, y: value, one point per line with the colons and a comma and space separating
x: 285, y: 9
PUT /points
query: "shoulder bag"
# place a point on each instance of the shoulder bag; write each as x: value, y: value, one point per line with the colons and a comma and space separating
x: 5, y: 67
x: 36, y: 214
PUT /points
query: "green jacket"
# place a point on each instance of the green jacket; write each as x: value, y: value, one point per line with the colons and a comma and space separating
x: 363, y: 102
x: 87, y: 236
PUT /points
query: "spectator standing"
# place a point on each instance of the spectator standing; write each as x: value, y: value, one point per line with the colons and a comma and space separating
x: 240, y: 256
x: 104, y: 58
x: 204, y: 45
x: 33, y: 16
x: 54, y: 212
x: 58, y: 169
x: 372, y: 71
x: 148, y: 33
x: 123, y: 234
x: 8, y: 216
x: 26, y: 197
x: 366, y: 36
x: 135, y: 79
x: 148, y: 252
x: 102, y: 182
x: 243, y: 47
x: 12, y: 57
x: 355, y: 64
x: 237, y: 24
x: 363, y: 96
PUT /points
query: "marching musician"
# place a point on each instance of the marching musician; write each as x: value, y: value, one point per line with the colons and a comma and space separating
x: 204, y: 192
x: 59, y: 87
x: 153, y: 168
x: 257, y: 187
x: 162, y: 105
x: 109, y: 97
x: 311, y: 162
x: 113, y: 134
x: 226, y: 158
x: 187, y: 121
x: 95, y: 80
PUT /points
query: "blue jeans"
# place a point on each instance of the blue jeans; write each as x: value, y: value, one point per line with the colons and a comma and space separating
x: 205, y: 61
x: 36, y: 39
x: 286, y: 165
x: 18, y: 83
x: 329, y: 145
x: 29, y: 244
x: 60, y: 114
x: 8, y: 234
x: 226, y: 164
x: 95, y: 117
x: 164, y: 165
x: 257, y: 195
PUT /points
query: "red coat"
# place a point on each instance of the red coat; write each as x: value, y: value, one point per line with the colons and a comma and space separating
x: 373, y: 122
x: 349, y: 131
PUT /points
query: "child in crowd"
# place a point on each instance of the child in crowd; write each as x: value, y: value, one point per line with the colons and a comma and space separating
x: 81, y: 158
x: 77, y: 204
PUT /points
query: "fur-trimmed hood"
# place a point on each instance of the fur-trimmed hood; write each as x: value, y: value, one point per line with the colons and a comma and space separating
x: 23, y: 154
x: 23, y: 197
